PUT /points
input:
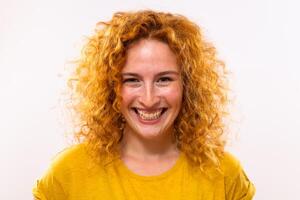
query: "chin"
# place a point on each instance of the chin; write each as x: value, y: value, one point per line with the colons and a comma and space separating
x: 149, y: 132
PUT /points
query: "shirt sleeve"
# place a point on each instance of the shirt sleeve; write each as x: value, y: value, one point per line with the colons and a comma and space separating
x: 48, y: 188
x: 237, y: 184
x: 37, y: 192
x: 59, y: 178
x: 54, y: 184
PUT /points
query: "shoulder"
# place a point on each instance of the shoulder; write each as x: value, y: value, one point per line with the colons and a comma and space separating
x: 74, y: 161
x: 236, y: 182
x: 71, y: 159
x: 67, y: 169
x: 71, y: 156
x: 229, y: 165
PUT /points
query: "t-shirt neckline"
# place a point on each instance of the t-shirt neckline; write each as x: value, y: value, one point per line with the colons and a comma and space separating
x: 126, y: 171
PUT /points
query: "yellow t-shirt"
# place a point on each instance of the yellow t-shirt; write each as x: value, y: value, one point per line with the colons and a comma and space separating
x: 75, y: 176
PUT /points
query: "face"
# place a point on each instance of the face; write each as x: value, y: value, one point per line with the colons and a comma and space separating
x: 151, y: 89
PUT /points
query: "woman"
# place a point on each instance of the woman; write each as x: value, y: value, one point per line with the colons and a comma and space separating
x: 151, y: 97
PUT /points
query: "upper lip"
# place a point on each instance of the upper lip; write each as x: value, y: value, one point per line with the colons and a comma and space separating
x: 150, y: 110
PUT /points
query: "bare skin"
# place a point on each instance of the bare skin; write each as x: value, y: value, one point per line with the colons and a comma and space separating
x: 151, y: 100
x: 146, y: 159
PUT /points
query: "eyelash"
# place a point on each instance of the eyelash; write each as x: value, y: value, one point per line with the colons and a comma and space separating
x: 161, y: 80
x: 164, y: 79
x: 131, y: 80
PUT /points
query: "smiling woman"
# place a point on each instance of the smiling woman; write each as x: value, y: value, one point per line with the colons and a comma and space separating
x: 151, y: 100
x: 154, y: 97
x: 151, y: 96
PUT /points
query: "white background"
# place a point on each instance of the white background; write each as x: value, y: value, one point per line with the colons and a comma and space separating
x: 258, y: 40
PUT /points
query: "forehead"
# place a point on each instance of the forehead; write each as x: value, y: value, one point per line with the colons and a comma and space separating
x: 150, y: 55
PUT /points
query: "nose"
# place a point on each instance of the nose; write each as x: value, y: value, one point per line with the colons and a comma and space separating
x: 149, y: 96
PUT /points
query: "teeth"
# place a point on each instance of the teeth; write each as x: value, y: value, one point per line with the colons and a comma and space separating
x: 149, y: 115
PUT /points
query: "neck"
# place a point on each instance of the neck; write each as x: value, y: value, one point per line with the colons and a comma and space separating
x: 133, y: 145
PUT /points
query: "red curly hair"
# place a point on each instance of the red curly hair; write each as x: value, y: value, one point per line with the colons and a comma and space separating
x: 97, y: 82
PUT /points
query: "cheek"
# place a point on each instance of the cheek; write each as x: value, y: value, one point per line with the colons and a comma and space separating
x: 127, y: 96
x: 174, y: 95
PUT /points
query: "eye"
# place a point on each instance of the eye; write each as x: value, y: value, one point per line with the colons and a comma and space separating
x: 130, y: 80
x: 165, y: 80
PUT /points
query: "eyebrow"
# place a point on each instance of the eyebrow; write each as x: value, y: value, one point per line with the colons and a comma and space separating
x: 159, y: 74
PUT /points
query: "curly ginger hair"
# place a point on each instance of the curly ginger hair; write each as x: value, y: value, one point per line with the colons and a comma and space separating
x: 199, y: 125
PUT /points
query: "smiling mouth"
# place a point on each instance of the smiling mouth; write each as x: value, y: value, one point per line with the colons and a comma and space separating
x: 150, y: 115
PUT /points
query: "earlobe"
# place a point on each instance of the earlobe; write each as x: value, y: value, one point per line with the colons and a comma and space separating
x: 122, y: 123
